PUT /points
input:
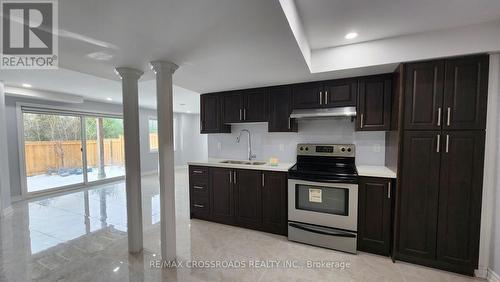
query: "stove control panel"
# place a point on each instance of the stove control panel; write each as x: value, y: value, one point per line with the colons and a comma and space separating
x: 328, y: 150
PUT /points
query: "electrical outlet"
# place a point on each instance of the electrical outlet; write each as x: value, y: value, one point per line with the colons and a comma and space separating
x: 376, y: 148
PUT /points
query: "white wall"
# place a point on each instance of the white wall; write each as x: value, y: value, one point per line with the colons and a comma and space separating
x: 4, y: 161
x: 190, y: 144
x: 370, y: 146
x: 490, y: 238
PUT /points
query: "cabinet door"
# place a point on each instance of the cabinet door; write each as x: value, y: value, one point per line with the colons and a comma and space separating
x: 466, y: 93
x: 460, y: 198
x: 221, y: 195
x: 374, y: 107
x: 233, y: 107
x: 340, y: 93
x: 280, y: 102
x: 274, y: 202
x: 211, y: 115
x: 419, y: 194
x: 256, y: 107
x: 248, y: 198
x: 424, y: 95
x: 374, y: 217
x: 307, y: 95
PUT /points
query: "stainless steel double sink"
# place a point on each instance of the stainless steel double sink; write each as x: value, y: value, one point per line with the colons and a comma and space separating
x: 242, y: 162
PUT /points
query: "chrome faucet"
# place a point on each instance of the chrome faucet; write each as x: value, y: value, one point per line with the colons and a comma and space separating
x: 250, y: 155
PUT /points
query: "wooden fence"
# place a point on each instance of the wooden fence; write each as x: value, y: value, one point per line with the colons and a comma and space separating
x: 43, y: 156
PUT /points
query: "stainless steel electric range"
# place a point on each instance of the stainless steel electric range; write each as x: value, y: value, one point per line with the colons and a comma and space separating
x: 323, y: 196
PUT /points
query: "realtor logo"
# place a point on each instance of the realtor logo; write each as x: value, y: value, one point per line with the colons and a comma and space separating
x: 29, y: 35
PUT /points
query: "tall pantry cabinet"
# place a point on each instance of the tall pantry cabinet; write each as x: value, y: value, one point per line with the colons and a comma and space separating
x: 439, y: 198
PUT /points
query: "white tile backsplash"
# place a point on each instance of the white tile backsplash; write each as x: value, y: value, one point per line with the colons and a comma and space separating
x: 370, y: 146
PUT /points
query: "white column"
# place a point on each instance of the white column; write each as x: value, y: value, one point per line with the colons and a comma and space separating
x: 4, y: 160
x: 164, y: 92
x: 130, y: 78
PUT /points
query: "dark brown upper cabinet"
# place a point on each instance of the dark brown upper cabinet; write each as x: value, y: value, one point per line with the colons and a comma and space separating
x: 374, y: 103
x: 374, y: 215
x: 424, y: 95
x: 418, y: 195
x: 307, y: 95
x: 245, y: 106
x: 280, y: 102
x: 211, y: 114
x: 447, y: 94
x: 233, y: 106
x: 459, y: 218
x: 340, y: 93
x: 325, y: 94
x: 465, y: 93
x: 256, y: 105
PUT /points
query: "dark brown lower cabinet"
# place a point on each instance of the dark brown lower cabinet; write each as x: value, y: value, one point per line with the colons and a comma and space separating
x: 221, y: 195
x: 274, y: 202
x: 248, y: 198
x: 374, y: 215
x: 243, y: 197
x: 440, y: 199
x: 459, y: 215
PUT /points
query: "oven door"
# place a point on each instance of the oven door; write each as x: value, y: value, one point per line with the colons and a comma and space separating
x: 326, y: 204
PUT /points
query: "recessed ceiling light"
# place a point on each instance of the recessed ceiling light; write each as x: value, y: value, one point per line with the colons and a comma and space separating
x: 27, y: 85
x: 188, y: 112
x: 182, y: 104
x: 351, y: 35
x: 109, y: 99
x: 100, y: 56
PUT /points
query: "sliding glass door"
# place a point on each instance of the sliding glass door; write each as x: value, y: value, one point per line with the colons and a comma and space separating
x: 105, y: 148
x: 52, y: 150
x: 67, y: 150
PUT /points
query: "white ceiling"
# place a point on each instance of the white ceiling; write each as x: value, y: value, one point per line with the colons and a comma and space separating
x: 219, y: 44
x: 94, y: 88
x: 326, y: 22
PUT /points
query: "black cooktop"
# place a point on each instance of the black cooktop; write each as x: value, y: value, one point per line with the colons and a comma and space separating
x: 324, y: 169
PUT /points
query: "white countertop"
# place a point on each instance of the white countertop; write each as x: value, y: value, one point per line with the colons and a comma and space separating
x: 217, y: 163
x: 375, y: 171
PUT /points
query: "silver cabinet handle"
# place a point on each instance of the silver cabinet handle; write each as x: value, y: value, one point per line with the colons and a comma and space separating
x: 230, y: 177
x: 241, y: 114
x: 289, y: 123
x: 244, y: 113
x: 361, y: 121
x: 198, y: 171
x: 439, y: 116
x: 326, y: 96
x: 198, y: 187
x: 448, y: 117
x: 263, y: 180
x: 321, y: 97
x: 389, y: 190
x: 234, y: 178
x: 198, y: 206
x: 447, y: 142
x: 438, y: 143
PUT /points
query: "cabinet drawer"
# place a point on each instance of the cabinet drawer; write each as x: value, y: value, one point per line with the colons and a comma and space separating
x: 197, y: 188
x: 198, y: 173
x: 200, y: 206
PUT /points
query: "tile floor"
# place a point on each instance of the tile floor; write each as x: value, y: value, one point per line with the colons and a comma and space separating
x: 81, y: 236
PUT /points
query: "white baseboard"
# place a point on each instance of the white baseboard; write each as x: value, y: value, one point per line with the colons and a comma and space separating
x: 492, y: 276
x: 481, y: 272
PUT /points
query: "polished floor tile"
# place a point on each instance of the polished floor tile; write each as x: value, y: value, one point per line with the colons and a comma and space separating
x: 82, y: 236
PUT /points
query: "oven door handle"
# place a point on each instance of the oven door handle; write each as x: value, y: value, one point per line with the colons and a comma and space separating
x: 322, y: 231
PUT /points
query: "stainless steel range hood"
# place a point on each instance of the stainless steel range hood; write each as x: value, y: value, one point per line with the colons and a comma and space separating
x: 324, y: 113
